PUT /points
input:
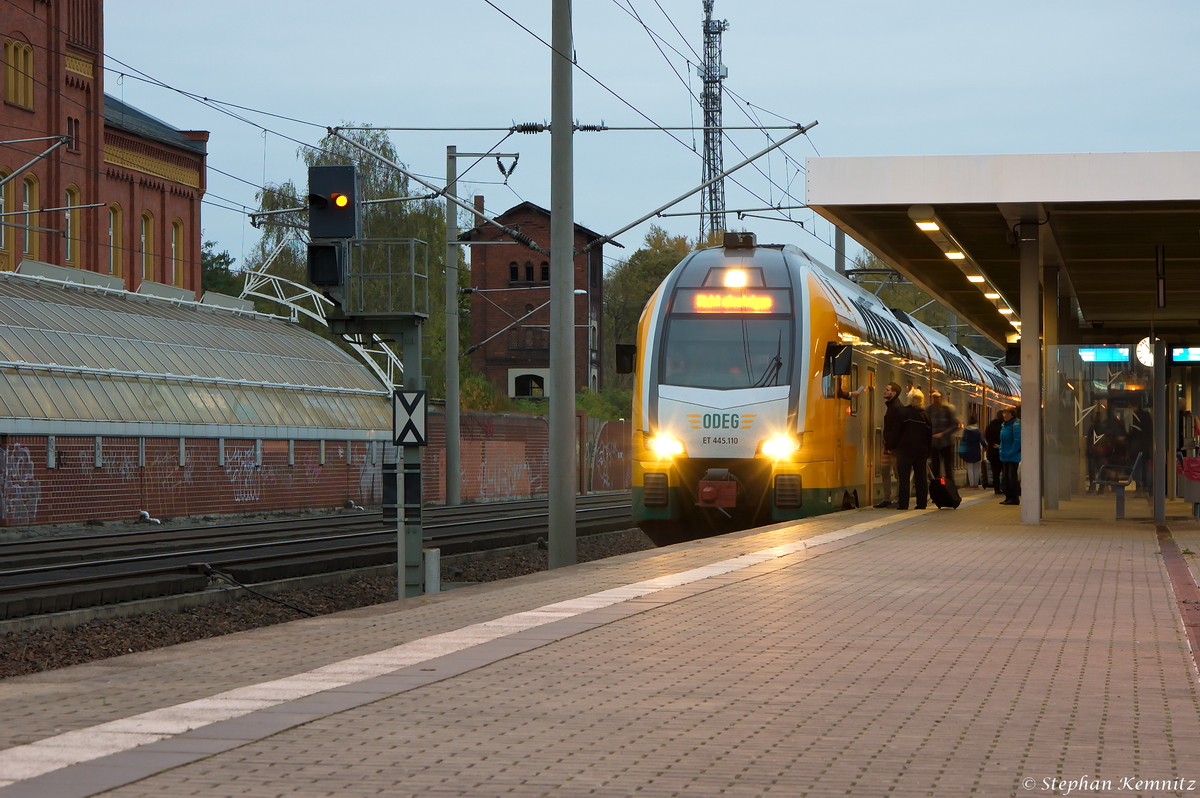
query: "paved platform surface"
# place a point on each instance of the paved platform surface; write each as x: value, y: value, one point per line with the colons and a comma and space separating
x: 865, y: 653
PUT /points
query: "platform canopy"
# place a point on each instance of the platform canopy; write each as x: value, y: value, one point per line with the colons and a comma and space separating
x: 1101, y: 217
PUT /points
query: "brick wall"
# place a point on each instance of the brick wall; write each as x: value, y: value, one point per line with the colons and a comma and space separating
x: 502, y: 457
x: 75, y: 489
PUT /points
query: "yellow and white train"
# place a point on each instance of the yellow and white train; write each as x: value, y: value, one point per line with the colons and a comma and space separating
x: 747, y: 361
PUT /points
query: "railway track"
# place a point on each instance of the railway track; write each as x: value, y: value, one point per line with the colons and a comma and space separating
x: 50, y: 575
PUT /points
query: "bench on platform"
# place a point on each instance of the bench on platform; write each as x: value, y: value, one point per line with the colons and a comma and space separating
x: 1120, y: 477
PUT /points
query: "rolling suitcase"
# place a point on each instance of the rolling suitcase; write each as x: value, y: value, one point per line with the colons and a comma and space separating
x: 943, y: 493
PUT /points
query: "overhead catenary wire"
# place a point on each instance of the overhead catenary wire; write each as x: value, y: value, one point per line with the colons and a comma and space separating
x: 785, y: 190
x: 627, y: 103
x: 224, y: 107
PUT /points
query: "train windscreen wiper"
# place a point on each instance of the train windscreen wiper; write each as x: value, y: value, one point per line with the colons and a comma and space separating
x: 771, y: 374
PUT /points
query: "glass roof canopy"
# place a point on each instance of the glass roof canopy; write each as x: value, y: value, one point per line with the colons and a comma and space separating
x: 89, y: 361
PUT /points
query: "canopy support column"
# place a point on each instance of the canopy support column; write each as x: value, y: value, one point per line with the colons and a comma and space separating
x: 1053, y: 434
x: 1031, y: 373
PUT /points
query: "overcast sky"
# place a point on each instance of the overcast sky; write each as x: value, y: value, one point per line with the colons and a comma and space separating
x: 882, y: 78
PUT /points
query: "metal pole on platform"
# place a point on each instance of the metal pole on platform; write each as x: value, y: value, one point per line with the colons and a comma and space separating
x: 453, y: 471
x: 408, y: 491
x: 561, y: 536
x: 1161, y: 450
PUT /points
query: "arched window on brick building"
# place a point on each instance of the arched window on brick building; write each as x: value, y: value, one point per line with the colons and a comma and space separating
x: 177, y: 251
x: 18, y: 73
x: 530, y: 385
x: 114, y: 240
x: 514, y: 272
x: 545, y: 272
x: 71, y: 227
x: 528, y: 271
x: 146, y: 246
x: 29, y: 204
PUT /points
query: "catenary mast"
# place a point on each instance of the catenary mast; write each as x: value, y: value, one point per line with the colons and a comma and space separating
x: 712, y: 71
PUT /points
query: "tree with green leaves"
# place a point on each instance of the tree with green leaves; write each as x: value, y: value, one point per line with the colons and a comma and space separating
x: 216, y: 271
x: 410, y: 216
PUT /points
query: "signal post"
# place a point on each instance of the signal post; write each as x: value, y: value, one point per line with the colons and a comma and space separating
x: 372, y: 298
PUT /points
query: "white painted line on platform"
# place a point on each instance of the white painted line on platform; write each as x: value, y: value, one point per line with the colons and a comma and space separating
x: 70, y: 748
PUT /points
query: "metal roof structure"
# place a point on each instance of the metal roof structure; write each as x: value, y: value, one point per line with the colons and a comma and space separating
x: 1052, y: 250
x: 90, y: 360
x: 1100, y: 217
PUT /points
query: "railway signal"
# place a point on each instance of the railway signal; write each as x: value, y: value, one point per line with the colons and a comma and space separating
x: 332, y: 202
x: 332, y: 220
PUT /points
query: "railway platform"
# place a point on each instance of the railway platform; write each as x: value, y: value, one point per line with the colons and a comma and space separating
x: 872, y: 652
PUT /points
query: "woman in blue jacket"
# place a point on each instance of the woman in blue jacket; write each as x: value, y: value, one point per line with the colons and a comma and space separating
x: 970, y: 448
x: 1010, y: 455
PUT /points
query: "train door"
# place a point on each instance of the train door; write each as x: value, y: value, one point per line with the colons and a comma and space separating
x: 874, y: 437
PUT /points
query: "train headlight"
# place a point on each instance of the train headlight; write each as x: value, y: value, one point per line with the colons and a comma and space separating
x: 781, y: 447
x: 664, y: 446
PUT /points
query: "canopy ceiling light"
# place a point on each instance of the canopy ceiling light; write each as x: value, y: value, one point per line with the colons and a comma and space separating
x: 928, y: 223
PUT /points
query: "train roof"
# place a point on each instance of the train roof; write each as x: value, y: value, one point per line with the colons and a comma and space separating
x: 897, y: 333
x: 866, y: 319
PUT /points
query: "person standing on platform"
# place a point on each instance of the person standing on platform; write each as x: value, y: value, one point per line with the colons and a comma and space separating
x: 991, y: 437
x: 1010, y: 455
x: 971, y: 451
x: 892, y: 418
x: 944, y: 421
x: 1140, y: 441
x: 912, y: 452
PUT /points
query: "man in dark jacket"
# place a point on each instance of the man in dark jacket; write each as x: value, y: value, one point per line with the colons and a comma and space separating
x: 912, y: 452
x: 891, y: 436
x: 991, y: 437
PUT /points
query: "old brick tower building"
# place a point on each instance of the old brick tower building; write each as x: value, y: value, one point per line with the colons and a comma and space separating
x: 516, y: 282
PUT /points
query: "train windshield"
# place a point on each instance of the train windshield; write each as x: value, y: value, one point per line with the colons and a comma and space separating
x: 727, y: 352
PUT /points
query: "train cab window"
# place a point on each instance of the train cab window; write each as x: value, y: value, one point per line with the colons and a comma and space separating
x: 727, y: 352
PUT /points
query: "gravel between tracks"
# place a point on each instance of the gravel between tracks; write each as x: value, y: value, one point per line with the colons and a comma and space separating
x: 47, y: 649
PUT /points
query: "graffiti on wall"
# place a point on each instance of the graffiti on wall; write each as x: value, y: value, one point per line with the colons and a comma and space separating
x: 244, y: 474
x: 20, y: 490
x: 610, y: 457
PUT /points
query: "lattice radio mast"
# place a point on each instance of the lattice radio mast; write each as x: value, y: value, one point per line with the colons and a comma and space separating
x: 712, y: 198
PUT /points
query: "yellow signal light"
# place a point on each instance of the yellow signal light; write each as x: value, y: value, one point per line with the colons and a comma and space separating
x: 340, y: 200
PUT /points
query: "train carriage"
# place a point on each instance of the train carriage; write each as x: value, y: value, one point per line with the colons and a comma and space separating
x: 745, y: 406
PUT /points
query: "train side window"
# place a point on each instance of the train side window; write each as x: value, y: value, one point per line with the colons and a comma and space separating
x: 837, y: 365
x: 854, y: 383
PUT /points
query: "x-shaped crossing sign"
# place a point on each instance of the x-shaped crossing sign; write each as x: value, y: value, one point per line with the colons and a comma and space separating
x: 410, y: 416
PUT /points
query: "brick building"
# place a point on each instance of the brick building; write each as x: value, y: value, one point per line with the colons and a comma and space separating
x: 518, y: 361
x: 145, y: 177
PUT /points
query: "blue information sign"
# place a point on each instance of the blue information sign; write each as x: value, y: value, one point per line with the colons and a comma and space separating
x: 1113, y: 354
